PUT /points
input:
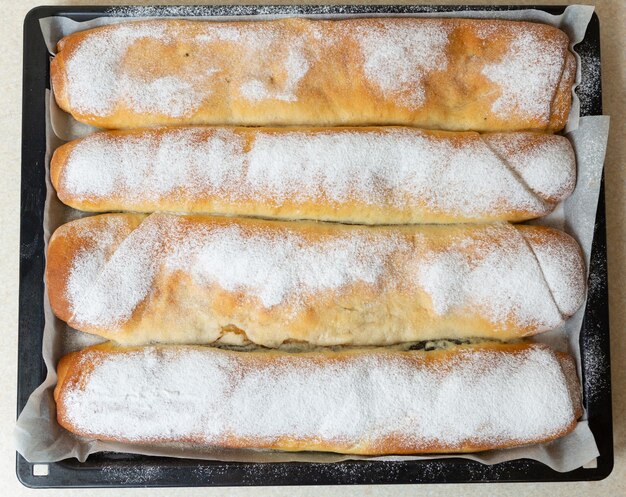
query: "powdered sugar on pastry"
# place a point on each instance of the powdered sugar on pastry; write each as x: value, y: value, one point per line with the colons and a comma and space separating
x: 562, y: 268
x: 281, y: 266
x: 397, y: 57
x: 103, y: 74
x: 89, y: 261
x: 528, y: 75
x: 434, y: 73
x: 100, y: 288
x: 361, y: 402
x: 465, y: 274
x: 295, y: 66
x: 273, y: 266
x: 420, y: 175
x: 96, y: 84
x: 182, y: 161
x: 264, y: 81
x: 545, y: 163
x: 276, y: 275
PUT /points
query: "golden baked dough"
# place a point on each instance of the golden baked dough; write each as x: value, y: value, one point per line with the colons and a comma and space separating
x: 457, y: 74
x: 384, y: 175
x: 195, y: 279
x: 465, y: 398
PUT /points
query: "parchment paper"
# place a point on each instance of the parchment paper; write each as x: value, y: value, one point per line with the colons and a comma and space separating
x: 40, y: 439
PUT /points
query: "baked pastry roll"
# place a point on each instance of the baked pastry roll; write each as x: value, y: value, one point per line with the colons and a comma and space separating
x: 194, y: 279
x: 457, y: 74
x: 461, y: 399
x: 388, y: 175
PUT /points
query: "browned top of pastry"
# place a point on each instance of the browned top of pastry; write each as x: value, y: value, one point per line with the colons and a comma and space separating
x: 191, y: 278
x: 364, y: 175
x: 453, y: 74
x: 377, y: 401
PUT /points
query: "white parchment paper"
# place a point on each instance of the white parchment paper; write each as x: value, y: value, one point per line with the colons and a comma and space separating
x: 39, y: 438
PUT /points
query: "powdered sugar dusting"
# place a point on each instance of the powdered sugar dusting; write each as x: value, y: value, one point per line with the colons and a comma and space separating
x: 259, y: 78
x: 276, y: 267
x: 528, y: 75
x: 397, y: 57
x: 545, y: 163
x: 272, y: 265
x: 141, y: 166
x: 495, y: 272
x: 489, y: 271
x: 564, y: 271
x: 589, y: 88
x: 476, y: 396
x: 295, y: 67
x: 97, y: 81
x: 132, y: 474
x: 168, y: 95
x: 179, y: 71
x: 595, y: 365
x: 400, y: 167
x: 102, y: 73
x: 99, y: 290
x: 89, y: 261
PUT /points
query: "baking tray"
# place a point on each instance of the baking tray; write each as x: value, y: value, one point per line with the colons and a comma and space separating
x: 110, y: 469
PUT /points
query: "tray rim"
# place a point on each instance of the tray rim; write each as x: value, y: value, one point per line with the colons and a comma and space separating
x: 188, y: 472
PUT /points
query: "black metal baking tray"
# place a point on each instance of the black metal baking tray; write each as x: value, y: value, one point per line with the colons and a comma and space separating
x: 131, y: 470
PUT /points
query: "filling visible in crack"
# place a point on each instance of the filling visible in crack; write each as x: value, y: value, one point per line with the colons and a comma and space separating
x: 302, y: 346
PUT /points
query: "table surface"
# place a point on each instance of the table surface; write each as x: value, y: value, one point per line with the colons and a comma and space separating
x: 612, y: 14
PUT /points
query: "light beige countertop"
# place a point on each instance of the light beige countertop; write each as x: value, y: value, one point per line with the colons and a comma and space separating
x: 612, y: 14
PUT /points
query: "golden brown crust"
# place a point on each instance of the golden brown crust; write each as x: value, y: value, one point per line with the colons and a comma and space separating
x: 562, y: 100
x: 63, y: 369
x: 334, y: 89
x: 75, y: 369
x: 57, y: 163
x: 436, y: 190
x: 178, y: 309
x: 568, y: 364
x: 58, y: 78
x: 72, y: 238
